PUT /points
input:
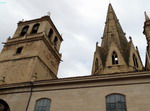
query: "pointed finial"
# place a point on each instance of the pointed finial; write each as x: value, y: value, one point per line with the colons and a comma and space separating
x: 48, y: 13
x: 146, y: 16
x: 8, y: 38
x: 130, y: 38
x: 136, y: 48
x: 96, y: 43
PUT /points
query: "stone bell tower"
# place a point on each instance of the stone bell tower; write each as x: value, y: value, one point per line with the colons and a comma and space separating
x: 146, y: 32
x: 115, y: 54
x: 32, y: 53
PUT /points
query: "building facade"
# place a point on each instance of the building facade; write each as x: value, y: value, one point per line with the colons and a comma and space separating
x: 29, y: 64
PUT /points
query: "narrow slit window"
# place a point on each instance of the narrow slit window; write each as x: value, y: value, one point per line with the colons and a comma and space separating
x: 135, y: 61
x: 96, y: 65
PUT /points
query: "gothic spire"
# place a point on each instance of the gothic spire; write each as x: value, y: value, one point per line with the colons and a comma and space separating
x: 146, y: 16
x: 113, y: 30
x: 115, y: 53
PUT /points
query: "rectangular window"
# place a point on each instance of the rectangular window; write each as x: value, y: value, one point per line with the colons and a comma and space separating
x: 19, y: 50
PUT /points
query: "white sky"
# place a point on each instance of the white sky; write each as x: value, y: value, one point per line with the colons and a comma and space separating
x: 81, y: 22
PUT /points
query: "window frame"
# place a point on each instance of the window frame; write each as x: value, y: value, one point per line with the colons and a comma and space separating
x: 19, y: 50
x: 50, y: 33
x: 116, y: 104
x: 135, y: 61
x: 96, y: 64
x: 34, y: 26
x: 43, y: 107
x: 115, y: 59
x: 55, y: 40
x: 22, y: 33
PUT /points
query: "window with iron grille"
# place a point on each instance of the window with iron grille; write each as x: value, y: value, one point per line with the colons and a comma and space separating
x: 43, y: 104
x: 115, y: 102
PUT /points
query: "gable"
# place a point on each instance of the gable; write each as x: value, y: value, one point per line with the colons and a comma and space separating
x: 113, y: 48
x: 97, y: 62
x: 133, y: 53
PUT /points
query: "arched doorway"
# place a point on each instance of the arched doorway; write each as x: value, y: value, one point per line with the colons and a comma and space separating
x: 4, y: 106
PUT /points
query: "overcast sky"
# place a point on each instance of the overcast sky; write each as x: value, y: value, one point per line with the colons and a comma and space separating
x: 81, y: 22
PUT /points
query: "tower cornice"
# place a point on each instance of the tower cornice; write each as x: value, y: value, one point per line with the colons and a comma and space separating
x: 31, y: 38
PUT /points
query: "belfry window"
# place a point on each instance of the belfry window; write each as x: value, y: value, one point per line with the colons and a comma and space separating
x: 43, y: 105
x: 114, y: 58
x: 50, y: 33
x: 96, y: 64
x: 135, y: 61
x: 24, y: 30
x: 55, y: 40
x: 35, y: 28
x: 115, y: 102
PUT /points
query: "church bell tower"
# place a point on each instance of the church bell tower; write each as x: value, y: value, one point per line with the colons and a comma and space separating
x: 32, y: 53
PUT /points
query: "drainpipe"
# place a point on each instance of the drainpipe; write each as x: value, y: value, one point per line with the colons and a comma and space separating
x: 31, y: 85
